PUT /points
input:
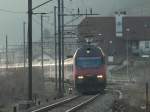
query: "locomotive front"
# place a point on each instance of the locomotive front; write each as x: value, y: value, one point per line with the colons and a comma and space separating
x: 89, y: 69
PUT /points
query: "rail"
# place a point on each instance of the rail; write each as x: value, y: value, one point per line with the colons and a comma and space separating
x: 48, y: 107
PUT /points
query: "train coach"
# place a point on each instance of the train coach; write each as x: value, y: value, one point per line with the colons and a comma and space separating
x: 89, y: 69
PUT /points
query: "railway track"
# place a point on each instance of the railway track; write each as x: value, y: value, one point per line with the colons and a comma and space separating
x: 75, y: 103
x: 68, y: 105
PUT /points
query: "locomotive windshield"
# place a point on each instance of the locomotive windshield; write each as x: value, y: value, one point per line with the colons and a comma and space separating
x: 89, y: 62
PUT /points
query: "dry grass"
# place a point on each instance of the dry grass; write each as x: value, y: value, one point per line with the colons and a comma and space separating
x: 140, y: 73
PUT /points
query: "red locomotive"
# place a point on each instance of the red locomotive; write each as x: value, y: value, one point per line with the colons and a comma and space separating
x: 89, y: 69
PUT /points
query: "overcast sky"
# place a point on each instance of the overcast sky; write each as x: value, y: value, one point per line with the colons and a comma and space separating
x: 11, y: 23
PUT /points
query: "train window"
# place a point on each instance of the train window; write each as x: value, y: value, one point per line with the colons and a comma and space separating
x: 89, y: 62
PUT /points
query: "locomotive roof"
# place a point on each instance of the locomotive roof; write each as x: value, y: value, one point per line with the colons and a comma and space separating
x: 89, y: 47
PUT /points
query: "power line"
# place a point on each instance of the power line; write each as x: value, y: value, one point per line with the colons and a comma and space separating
x: 12, y: 12
x: 48, y: 17
x: 38, y: 22
x: 41, y: 4
x: 72, y: 20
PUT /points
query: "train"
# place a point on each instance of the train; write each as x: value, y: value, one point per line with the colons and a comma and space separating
x: 89, y: 69
x: 86, y: 69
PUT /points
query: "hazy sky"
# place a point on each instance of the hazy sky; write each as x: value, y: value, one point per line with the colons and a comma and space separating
x: 11, y: 23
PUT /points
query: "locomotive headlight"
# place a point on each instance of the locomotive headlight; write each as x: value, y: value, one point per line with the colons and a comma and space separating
x: 100, y: 76
x: 88, y: 50
x: 80, y: 77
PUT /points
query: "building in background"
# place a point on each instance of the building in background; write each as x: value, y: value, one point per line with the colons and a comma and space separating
x: 138, y: 34
x: 118, y: 35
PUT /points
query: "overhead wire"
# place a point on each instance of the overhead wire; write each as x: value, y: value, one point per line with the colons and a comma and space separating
x: 12, y: 12
x: 19, y: 12
x: 38, y: 22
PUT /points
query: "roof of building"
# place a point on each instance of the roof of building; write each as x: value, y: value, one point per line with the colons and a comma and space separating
x: 139, y: 27
x: 93, y: 26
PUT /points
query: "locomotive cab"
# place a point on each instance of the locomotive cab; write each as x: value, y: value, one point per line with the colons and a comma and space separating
x: 89, y: 69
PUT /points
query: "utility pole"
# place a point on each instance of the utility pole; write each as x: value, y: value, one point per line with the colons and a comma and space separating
x: 24, y: 45
x: 24, y: 54
x: 62, y: 36
x: 42, y: 62
x: 42, y: 44
x: 128, y: 59
x: 59, y: 49
x: 6, y: 55
x: 55, y: 32
x: 30, y: 50
x: 30, y: 10
x: 127, y: 48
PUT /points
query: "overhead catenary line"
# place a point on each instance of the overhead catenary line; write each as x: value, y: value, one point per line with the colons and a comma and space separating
x: 41, y: 4
x: 11, y: 11
x: 38, y: 22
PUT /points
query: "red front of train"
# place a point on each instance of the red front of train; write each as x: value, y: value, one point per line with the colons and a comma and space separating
x: 89, y: 69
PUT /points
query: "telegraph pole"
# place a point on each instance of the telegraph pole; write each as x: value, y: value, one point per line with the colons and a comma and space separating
x: 24, y: 50
x: 55, y: 32
x: 42, y: 43
x: 24, y: 45
x: 30, y: 10
x: 59, y: 49
x: 30, y: 50
x: 62, y: 32
x: 127, y: 48
x: 42, y: 62
x: 6, y: 55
